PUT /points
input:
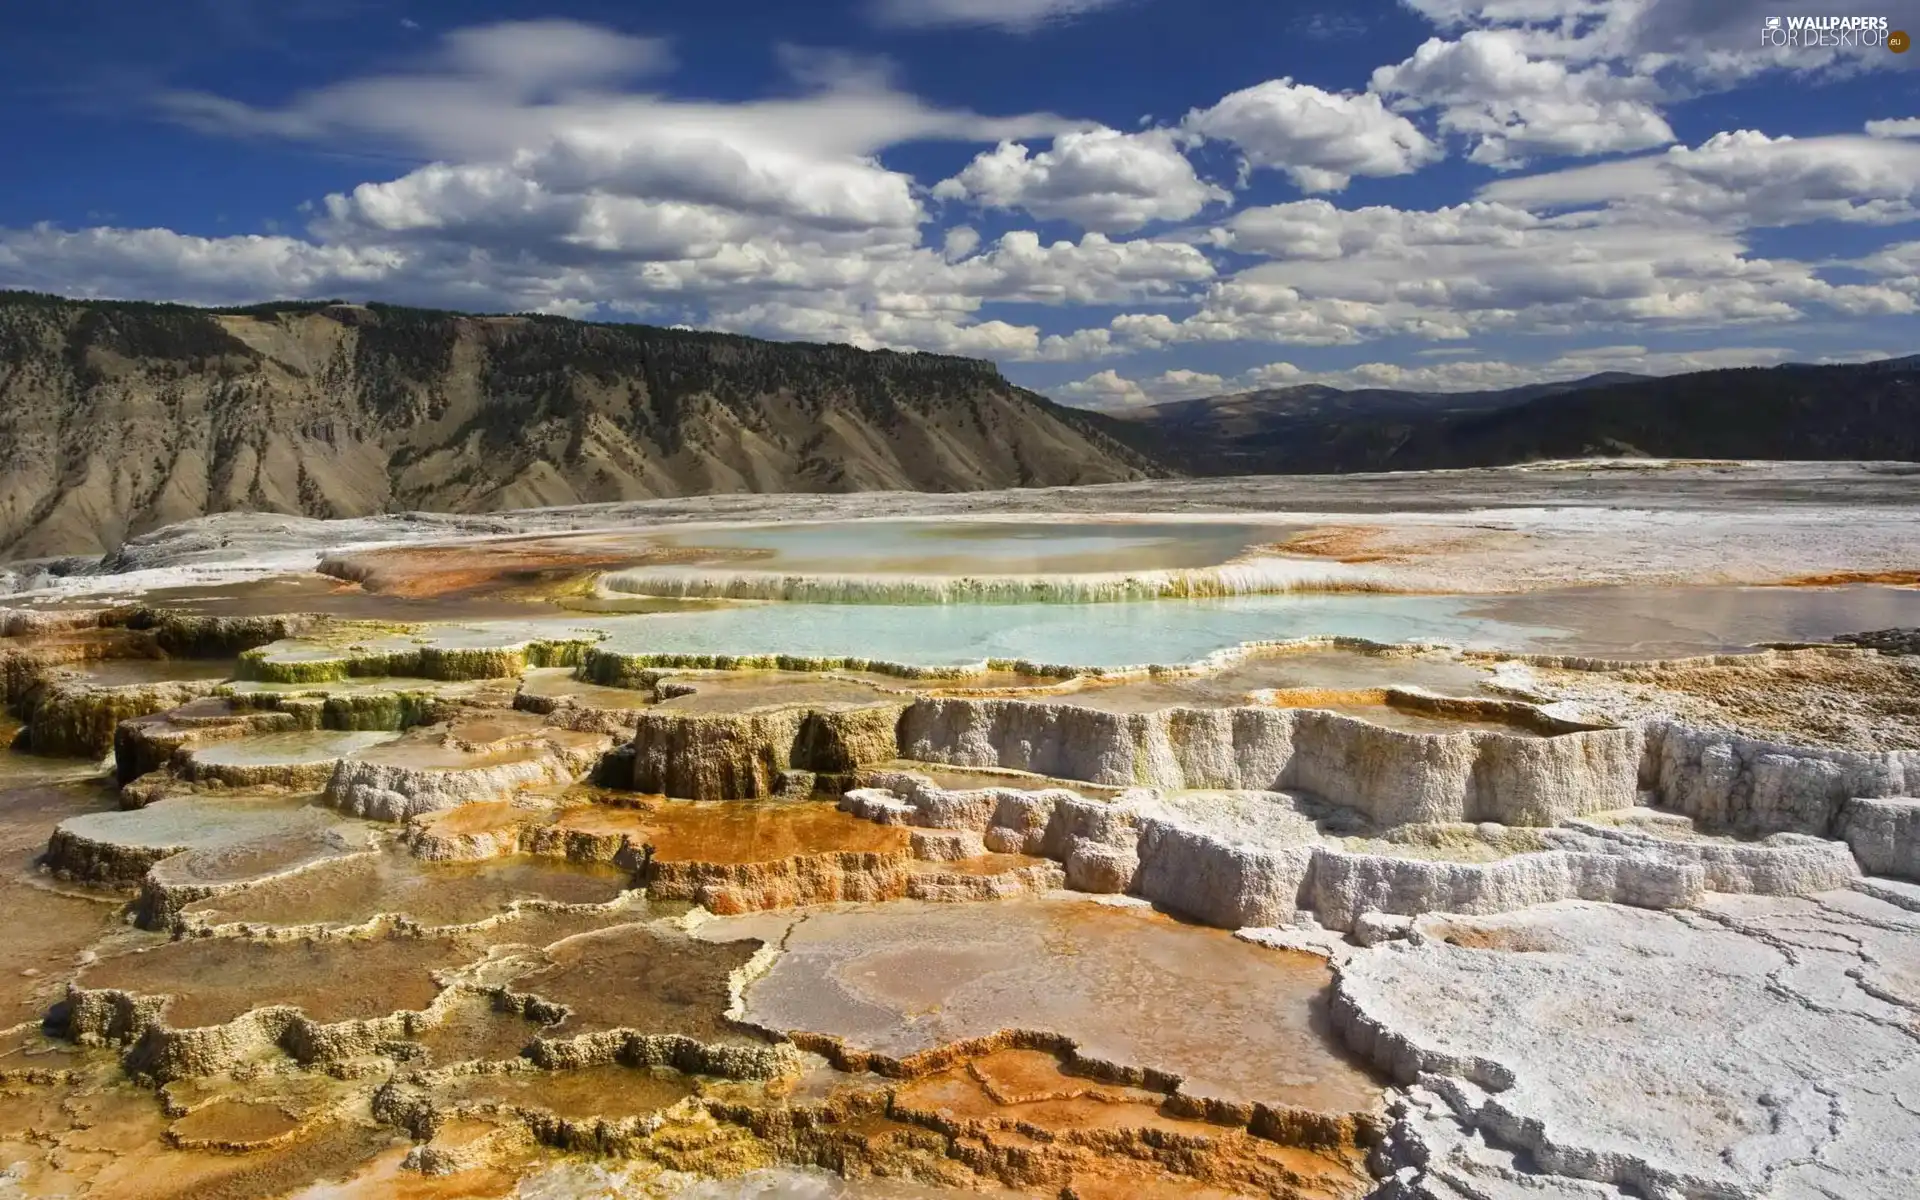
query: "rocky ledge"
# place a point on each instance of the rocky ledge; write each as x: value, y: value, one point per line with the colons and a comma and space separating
x: 1887, y: 641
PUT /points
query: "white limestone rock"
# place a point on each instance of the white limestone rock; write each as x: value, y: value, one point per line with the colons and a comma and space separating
x: 1101, y: 869
x: 1885, y: 835
x: 1248, y: 858
x: 946, y: 845
x: 1373, y: 927
x: 391, y: 792
x: 1731, y: 782
x: 1344, y: 886
x: 1758, y: 1047
x: 1392, y: 775
x: 1210, y: 879
x: 1304, y: 936
x: 879, y: 806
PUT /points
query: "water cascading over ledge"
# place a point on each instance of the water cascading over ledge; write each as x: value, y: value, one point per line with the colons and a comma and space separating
x: 1257, y: 576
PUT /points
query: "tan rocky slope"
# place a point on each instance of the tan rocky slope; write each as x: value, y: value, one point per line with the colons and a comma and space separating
x: 116, y: 418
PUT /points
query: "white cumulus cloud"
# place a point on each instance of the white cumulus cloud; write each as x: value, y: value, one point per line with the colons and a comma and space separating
x: 1111, y: 390
x: 1332, y: 276
x: 1895, y: 127
x: 1515, y: 107
x: 1320, y: 139
x: 1744, y: 177
x: 1099, y: 179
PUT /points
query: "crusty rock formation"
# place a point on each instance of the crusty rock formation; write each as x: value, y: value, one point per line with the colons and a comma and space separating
x: 32, y: 657
x: 705, y: 756
x: 1887, y: 641
x: 1392, y: 775
x: 120, y: 848
x: 803, y: 853
x: 434, y: 768
x: 77, y: 719
x: 495, y: 829
x: 1744, y: 784
x: 33, y: 622
x: 215, y: 635
x: 844, y: 876
x: 160, y: 1044
x: 802, y: 879
x: 301, y: 761
x: 1836, y: 697
x: 220, y: 868
x: 1756, y: 1048
x: 299, y: 662
x: 1239, y: 873
x: 1884, y: 835
x: 143, y: 631
x: 153, y: 743
x: 396, y: 706
x: 1546, y: 774
x: 568, y: 712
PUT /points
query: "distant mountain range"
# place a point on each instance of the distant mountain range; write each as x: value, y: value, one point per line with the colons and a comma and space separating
x: 116, y: 418
x: 1856, y: 411
x: 119, y: 417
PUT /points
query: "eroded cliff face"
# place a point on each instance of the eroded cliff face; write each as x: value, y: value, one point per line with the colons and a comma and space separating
x: 117, y: 418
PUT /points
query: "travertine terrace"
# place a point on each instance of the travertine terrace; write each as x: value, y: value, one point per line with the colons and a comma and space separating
x: 1554, y: 835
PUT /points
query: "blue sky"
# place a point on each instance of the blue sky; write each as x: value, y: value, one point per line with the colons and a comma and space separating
x: 1120, y: 201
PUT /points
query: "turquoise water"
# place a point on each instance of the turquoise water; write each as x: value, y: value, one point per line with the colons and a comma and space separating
x: 1069, y: 635
x: 1603, y: 622
x: 1606, y: 622
x: 980, y: 547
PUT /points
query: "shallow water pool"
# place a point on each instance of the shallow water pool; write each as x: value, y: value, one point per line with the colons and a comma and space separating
x: 1616, y: 622
x: 1072, y: 635
x: 292, y: 748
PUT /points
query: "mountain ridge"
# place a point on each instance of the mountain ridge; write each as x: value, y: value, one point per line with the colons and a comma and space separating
x: 1320, y: 392
x: 1848, y: 411
x: 117, y: 417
